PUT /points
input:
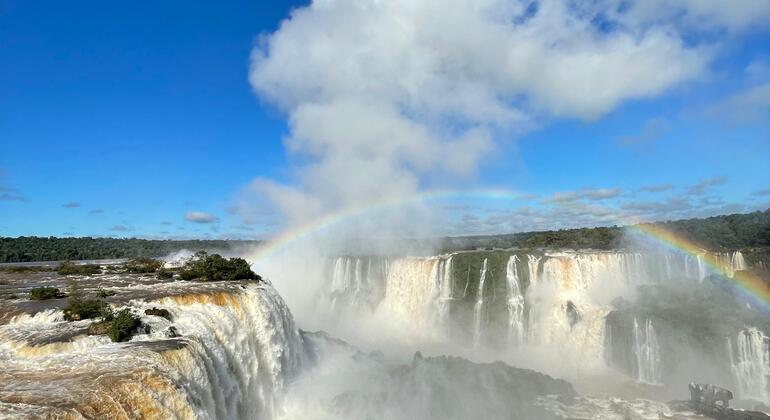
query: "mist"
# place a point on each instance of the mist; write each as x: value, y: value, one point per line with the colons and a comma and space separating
x: 387, y: 100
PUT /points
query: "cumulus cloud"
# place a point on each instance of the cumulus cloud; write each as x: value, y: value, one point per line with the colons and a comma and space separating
x: 200, y: 217
x: 119, y: 228
x: 96, y: 211
x: 691, y: 15
x: 382, y: 95
x: 765, y: 191
x: 71, y: 205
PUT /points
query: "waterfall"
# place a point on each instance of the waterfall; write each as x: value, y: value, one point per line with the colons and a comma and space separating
x: 701, y: 268
x: 737, y: 262
x: 647, y: 353
x: 477, y: 309
x: 235, y: 351
x: 443, y: 295
x: 410, y: 291
x: 353, y: 282
x: 515, y: 303
x: 750, y: 364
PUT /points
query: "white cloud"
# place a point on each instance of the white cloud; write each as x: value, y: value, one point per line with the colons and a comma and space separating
x: 384, y: 95
x: 200, y: 217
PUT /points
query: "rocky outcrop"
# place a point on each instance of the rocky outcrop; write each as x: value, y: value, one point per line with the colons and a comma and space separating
x: 714, y: 401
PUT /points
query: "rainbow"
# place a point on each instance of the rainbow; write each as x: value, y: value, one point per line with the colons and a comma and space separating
x: 328, y: 220
x: 745, y: 283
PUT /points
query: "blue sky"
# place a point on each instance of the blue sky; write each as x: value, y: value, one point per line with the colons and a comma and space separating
x: 140, y: 119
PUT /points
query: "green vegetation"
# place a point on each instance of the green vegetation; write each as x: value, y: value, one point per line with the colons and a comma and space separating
x: 78, y: 308
x: 101, y: 293
x: 32, y: 248
x: 67, y: 268
x: 142, y: 265
x: 719, y: 233
x: 25, y: 269
x: 123, y: 326
x: 216, y: 268
x: 165, y: 273
x: 87, y: 309
x: 45, y: 293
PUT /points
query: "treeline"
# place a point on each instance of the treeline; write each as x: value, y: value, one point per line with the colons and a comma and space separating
x: 32, y: 248
x: 727, y: 232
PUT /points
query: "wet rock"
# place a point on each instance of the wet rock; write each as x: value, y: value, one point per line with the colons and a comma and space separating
x: 163, y: 313
x: 171, y: 332
x: 99, y: 328
x: 573, y: 315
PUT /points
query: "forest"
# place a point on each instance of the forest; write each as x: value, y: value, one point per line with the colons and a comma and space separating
x: 718, y: 233
x: 727, y: 232
x: 31, y: 248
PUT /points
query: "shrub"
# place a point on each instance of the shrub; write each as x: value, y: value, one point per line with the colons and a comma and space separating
x: 44, y: 293
x: 216, y: 268
x: 142, y: 265
x: 164, y: 273
x: 78, y: 308
x: 87, y: 309
x: 124, y: 326
x: 67, y: 268
x: 25, y: 269
x: 101, y: 293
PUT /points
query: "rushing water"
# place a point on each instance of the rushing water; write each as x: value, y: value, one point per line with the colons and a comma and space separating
x: 515, y: 302
x: 647, y: 352
x: 750, y: 362
x: 234, y: 351
x: 550, y: 303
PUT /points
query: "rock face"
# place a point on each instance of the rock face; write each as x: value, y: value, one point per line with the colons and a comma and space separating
x: 713, y: 401
x: 710, y: 395
x: 163, y: 313
x: 427, y: 388
x: 99, y: 328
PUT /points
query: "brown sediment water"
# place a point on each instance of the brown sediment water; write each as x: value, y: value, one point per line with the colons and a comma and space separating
x: 230, y: 356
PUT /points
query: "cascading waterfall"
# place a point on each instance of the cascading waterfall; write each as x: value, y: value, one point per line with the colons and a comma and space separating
x: 234, y: 351
x: 701, y: 269
x: 750, y: 364
x: 479, y: 306
x: 558, y: 301
x: 647, y: 352
x: 443, y: 291
x: 409, y: 292
x: 515, y: 303
x: 355, y: 282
